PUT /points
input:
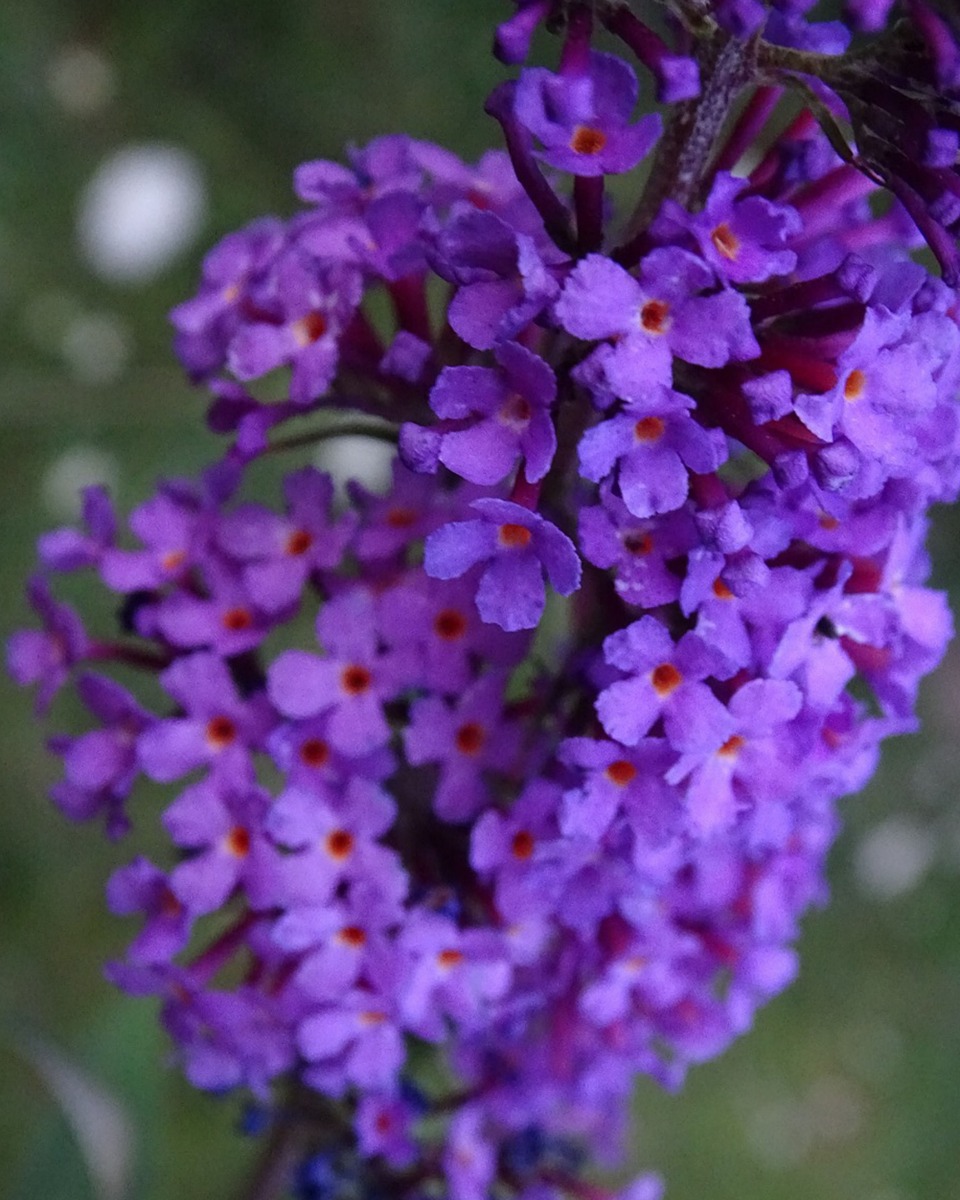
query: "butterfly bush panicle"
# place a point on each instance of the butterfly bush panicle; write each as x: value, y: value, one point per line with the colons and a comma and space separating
x: 522, y: 773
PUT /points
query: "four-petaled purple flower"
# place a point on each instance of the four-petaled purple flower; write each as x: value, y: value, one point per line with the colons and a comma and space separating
x: 582, y: 118
x: 517, y: 546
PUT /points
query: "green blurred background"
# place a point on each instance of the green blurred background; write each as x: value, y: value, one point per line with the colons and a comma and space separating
x: 848, y: 1086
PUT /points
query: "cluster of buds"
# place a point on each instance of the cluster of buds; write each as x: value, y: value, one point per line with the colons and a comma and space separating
x: 500, y: 788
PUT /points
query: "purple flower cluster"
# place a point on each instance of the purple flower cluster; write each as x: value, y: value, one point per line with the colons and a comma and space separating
x: 561, y: 842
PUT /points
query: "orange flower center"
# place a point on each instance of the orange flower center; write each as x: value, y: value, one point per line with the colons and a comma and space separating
x: 666, y: 678
x: 237, y: 619
x: 450, y: 958
x: 173, y: 559
x: 725, y: 241
x: 587, y: 139
x: 470, y: 737
x: 314, y: 752
x: 237, y: 842
x: 515, y: 410
x: 855, y: 385
x: 299, y: 542
x: 221, y: 732
x: 655, y: 316
x: 731, y: 746
x: 400, y: 518
x: 355, y: 680
x: 352, y: 935
x: 522, y: 844
x: 310, y: 328
x: 621, y: 772
x: 648, y: 429
x: 720, y: 590
x: 638, y: 543
x: 339, y: 844
x: 515, y: 537
x: 450, y: 624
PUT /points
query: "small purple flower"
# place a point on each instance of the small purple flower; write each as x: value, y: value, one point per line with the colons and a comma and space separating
x: 353, y: 1041
x: 653, y: 447
x: 334, y: 941
x: 141, y: 887
x: 217, y: 723
x: 455, y: 973
x: 492, y: 417
x: 206, y: 323
x: 100, y: 767
x: 175, y: 533
x: 583, y: 119
x: 504, y: 277
x: 513, y: 37
x: 751, y: 763
x: 353, y: 682
x: 665, y: 680
x: 389, y: 523
x: 638, y: 550
x: 46, y: 657
x: 519, y: 546
x: 469, y: 1161
x: 439, y: 620
x: 466, y: 740
x: 384, y: 1125
x: 316, y: 303
x: 281, y: 552
x: 220, y: 819
x: 745, y: 241
x: 335, y: 842
x: 660, y: 314
x: 225, y: 620
x: 69, y: 549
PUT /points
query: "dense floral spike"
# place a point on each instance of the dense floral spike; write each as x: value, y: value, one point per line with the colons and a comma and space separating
x: 554, y: 846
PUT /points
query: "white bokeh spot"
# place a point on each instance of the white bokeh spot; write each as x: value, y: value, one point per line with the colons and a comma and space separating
x: 144, y: 205
x: 75, y: 469
x: 893, y: 858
